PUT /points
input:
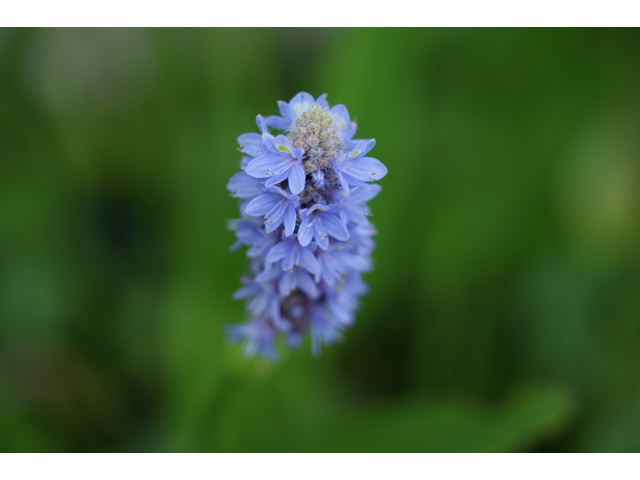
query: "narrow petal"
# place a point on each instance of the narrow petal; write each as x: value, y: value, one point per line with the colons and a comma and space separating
x: 289, y: 220
x: 277, y: 122
x: 242, y: 185
x: 343, y: 183
x: 261, y: 125
x: 278, y: 252
x: 266, y: 166
x: 292, y: 258
x: 306, y: 283
x: 305, y: 231
x: 250, y: 143
x: 284, y: 108
x: 246, y: 291
x: 343, y: 215
x: 330, y: 271
x: 354, y: 213
x: 296, y: 179
x: 259, y: 304
x: 269, y: 275
x: 365, y: 169
x: 287, y: 283
x: 261, y: 205
x: 321, y: 101
x: 335, y: 228
x: 275, y: 217
x: 319, y: 233
x: 364, y: 195
x: 308, y: 261
x: 276, y: 179
x: 362, y: 148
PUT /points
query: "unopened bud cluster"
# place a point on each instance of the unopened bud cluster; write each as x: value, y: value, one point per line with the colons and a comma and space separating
x: 317, y: 134
x: 304, y: 217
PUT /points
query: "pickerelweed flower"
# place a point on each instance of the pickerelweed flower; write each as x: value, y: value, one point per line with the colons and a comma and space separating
x: 303, y: 191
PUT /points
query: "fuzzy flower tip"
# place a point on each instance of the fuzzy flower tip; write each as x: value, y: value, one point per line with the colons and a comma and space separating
x: 303, y: 192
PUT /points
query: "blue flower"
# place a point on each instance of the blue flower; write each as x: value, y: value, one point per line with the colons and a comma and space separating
x: 319, y: 222
x: 250, y: 143
x: 264, y: 300
x: 355, y: 208
x: 251, y: 233
x: 337, y: 262
x: 256, y: 336
x: 277, y: 206
x: 303, y: 200
x: 293, y: 110
x: 293, y: 254
x: 242, y: 185
x: 280, y: 162
x: 356, y: 169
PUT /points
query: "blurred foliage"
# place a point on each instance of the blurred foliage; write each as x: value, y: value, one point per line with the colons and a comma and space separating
x: 504, y: 312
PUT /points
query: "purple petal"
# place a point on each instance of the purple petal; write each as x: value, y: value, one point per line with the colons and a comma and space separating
x: 261, y: 205
x: 362, y: 148
x: 296, y: 179
x: 364, y: 195
x: 242, y: 185
x: 306, y: 283
x: 246, y: 291
x: 277, y: 122
x: 321, y: 101
x: 320, y: 234
x: 354, y: 213
x: 308, y: 261
x: 305, y: 231
x: 335, y: 228
x: 340, y: 116
x: 364, y: 169
x: 275, y: 216
x: 269, y: 275
x: 302, y: 102
x: 261, y: 125
x: 343, y: 183
x: 289, y: 220
x: 267, y: 166
x: 278, y: 252
x: 287, y: 283
x: 250, y: 143
x: 276, y: 179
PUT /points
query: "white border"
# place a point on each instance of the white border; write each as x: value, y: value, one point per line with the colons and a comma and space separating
x: 318, y: 13
x: 320, y: 466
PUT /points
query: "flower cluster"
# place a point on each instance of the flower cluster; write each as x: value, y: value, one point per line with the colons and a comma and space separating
x: 303, y: 197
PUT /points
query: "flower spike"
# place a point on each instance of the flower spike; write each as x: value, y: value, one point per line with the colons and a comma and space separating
x: 303, y: 200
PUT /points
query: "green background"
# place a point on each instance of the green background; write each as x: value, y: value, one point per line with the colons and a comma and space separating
x: 504, y: 312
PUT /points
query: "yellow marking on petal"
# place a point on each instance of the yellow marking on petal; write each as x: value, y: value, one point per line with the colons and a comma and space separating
x: 283, y: 148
